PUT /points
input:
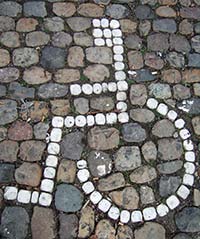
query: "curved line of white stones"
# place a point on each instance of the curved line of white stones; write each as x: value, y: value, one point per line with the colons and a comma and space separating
x: 148, y: 213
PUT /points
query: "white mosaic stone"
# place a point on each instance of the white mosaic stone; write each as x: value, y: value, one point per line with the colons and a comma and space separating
x: 184, y: 133
x: 56, y: 135
x: 80, y: 121
x: 172, y: 115
x: 111, y: 118
x: 172, y: 202
x: 90, y: 120
x: 53, y: 148
x: 125, y: 216
x: 114, y: 213
x: 188, y: 144
x: 88, y: 187
x: 179, y: 123
x: 104, y: 87
x: 57, y: 122
x: 83, y: 175
x: 118, y: 57
x: 190, y: 156
x: 162, y: 210
x: 114, y: 24
x: 119, y: 66
x: 109, y: 42
x: 81, y: 164
x: 117, y: 41
x: 120, y: 75
x: 183, y: 192
x: 49, y: 172
x: 188, y: 179
x: 122, y: 85
x: 24, y: 196
x: 136, y: 216
x: 87, y: 89
x: 100, y: 119
x: 96, y: 23
x: 75, y: 89
x: 116, y: 33
x: 162, y: 109
x: 121, y: 106
x: 189, y: 168
x: 97, y: 88
x: 99, y: 42
x: 104, y: 205
x: 45, y: 199
x: 121, y: 96
x: 112, y: 86
x: 95, y: 197
x: 10, y: 193
x: 34, y: 197
x: 47, y: 185
x: 104, y: 22
x: 152, y: 103
x: 123, y: 117
x: 107, y: 33
x: 118, y: 50
x: 149, y: 213
x: 52, y: 161
x: 69, y: 121
x: 97, y: 33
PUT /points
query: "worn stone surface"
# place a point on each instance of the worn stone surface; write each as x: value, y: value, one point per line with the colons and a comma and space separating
x: 142, y: 115
x: 102, y: 55
x: 112, y: 182
x: 143, y: 174
x: 40, y: 130
x: 90, y: 10
x: 61, y: 39
x: 163, y: 129
x: 25, y: 57
x: 75, y: 57
x: 147, y: 195
x: 36, y: 75
x: 10, y: 39
x: 104, y: 103
x: 10, y: 9
x: 117, y: 11
x: 64, y: 9
x: 133, y: 132
x: 78, y: 24
x: 170, y: 167
x: 149, y: 151
x: 52, y: 90
x: 124, y: 232
x: 6, y: 173
x: 8, y: 111
x: 8, y: 151
x: 138, y: 94
x: 66, y: 171
x: 17, y: 91
x: 67, y: 75
x: 168, y: 185
x: 68, y: 226
x: 82, y: 105
x: 104, y: 229
x: 96, y: 72
x: 9, y: 74
x: 60, y: 107
x: 20, y: 130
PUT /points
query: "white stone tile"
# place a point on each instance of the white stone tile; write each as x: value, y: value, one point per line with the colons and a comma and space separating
x: 188, y: 179
x: 53, y: 148
x: 34, y: 197
x: 97, y: 32
x: 109, y: 42
x: 123, y: 117
x: 149, y: 213
x: 47, y: 185
x: 104, y: 205
x: 117, y: 41
x: 45, y: 199
x: 69, y: 121
x: 81, y: 164
x: 104, y: 22
x: 118, y: 57
x: 188, y: 145
x: 49, y: 172
x: 114, y: 213
x: 10, y: 193
x: 107, y: 33
x: 118, y: 50
x: 97, y: 88
x: 100, y: 119
x: 80, y: 121
x: 125, y: 216
x: 112, y: 86
x: 114, y: 24
x: 90, y: 120
x: 56, y: 135
x: 152, y: 103
x: 52, y: 161
x: 104, y: 87
x: 87, y: 89
x: 83, y: 175
x: 172, y: 115
x: 111, y: 118
x: 162, y: 210
x: 120, y: 75
x: 136, y: 216
x: 119, y: 66
x: 121, y: 96
x: 190, y: 156
x: 57, y: 121
x: 75, y: 89
x: 172, y: 202
x: 116, y: 33
x: 162, y: 109
x: 179, y: 123
x: 96, y: 23
x: 183, y: 192
x: 24, y: 196
x: 189, y: 168
x: 121, y: 106
x: 95, y: 197
x: 99, y: 42
x: 184, y: 133
x: 122, y: 85
x: 88, y: 187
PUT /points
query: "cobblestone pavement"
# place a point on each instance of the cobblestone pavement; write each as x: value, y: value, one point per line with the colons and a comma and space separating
x: 100, y: 119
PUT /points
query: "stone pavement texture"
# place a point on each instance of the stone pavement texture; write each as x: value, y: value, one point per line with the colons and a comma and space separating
x: 99, y: 119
